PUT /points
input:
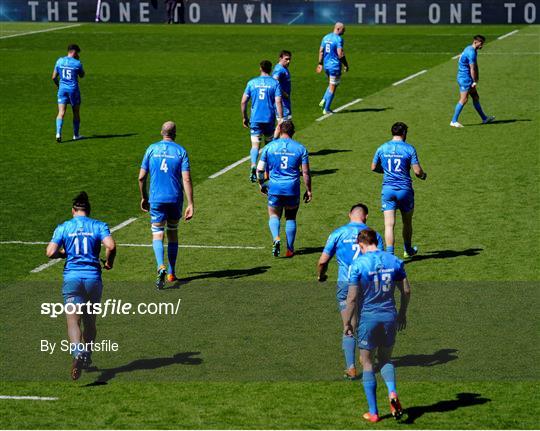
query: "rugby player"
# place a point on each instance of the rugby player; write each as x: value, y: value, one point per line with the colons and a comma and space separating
x: 394, y: 159
x: 66, y: 74
x: 467, y: 78
x: 372, y: 281
x: 168, y: 165
x: 331, y: 58
x: 79, y: 242
x: 282, y: 74
x: 283, y: 160
x: 343, y: 243
x: 265, y: 95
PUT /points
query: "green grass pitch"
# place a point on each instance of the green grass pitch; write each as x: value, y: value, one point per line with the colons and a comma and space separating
x: 256, y: 343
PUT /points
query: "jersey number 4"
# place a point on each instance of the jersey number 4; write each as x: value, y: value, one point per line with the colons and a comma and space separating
x: 164, y: 166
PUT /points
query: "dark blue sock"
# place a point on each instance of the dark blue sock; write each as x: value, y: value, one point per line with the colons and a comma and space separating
x: 157, y: 245
x: 390, y: 249
x: 329, y: 100
x: 290, y: 231
x: 348, y: 344
x: 457, y: 111
x: 370, y: 388
x: 254, y: 154
x: 172, y: 253
x: 59, y: 123
x: 273, y: 224
x: 388, y: 373
x: 478, y: 108
x: 76, y: 126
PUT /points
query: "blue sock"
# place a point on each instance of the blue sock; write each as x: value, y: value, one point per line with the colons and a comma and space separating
x: 349, y: 345
x: 478, y: 108
x: 76, y: 352
x: 76, y: 125
x: 157, y: 245
x: 273, y: 223
x: 254, y: 154
x: 59, y: 123
x: 290, y: 231
x: 390, y: 249
x: 326, y: 94
x: 370, y: 388
x: 172, y: 252
x: 329, y: 100
x: 457, y: 111
x: 388, y: 373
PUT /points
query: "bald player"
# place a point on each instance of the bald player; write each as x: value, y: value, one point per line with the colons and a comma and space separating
x: 331, y: 57
x: 168, y: 165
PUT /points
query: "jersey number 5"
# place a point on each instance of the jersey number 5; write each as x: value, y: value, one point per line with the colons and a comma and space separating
x: 262, y: 93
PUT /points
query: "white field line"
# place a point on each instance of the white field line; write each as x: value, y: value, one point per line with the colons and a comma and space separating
x: 455, y: 56
x: 504, y: 36
x: 341, y: 108
x: 414, y: 75
x: 228, y: 168
x: 29, y: 397
x: 295, y: 18
x: 40, y: 31
x: 227, y: 247
x: 55, y: 261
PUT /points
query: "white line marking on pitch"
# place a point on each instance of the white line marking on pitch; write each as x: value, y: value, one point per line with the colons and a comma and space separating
x: 341, y: 108
x: 507, y: 34
x: 40, y: 31
x: 414, y: 75
x: 455, y: 56
x: 228, y: 168
x: 55, y: 261
x: 18, y: 397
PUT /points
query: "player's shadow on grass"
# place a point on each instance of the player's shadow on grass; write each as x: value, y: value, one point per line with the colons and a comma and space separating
x: 185, y: 358
x: 86, y: 138
x: 323, y: 172
x: 308, y: 250
x: 223, y: 273
x: 440, y: 357
x: 445, y: 254
x: 327, y: 151
x: 498, y: 122
x: 463, y: 399
x: 351, y: 111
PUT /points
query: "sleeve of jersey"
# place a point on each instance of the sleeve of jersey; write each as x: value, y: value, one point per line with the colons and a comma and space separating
x: 414, y: 157
x: 104, y: 231
x: 145, y: 164
x: 278, y: 89
x: 380, y: 243
x: 354, y: 274
x: 56, y: 66
x: 472, y: 56
x: 376, y: 158
x: 264, y: 155
x: 185, y: 163
x: 400, y: 273
x: 330, y: 247
x: 58, y: 235
x: 247, y: 91
x: 340, y: 43
x: 305, y: 157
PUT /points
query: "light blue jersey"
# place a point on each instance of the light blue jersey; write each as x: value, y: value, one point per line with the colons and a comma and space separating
x: 263, y: 91
x: 376, y: 273
x: 330, y: 44
x: 283, y: 159
x: 396, y: 158
x: 467, y: 57
x: 283, y: 76
x: 81, y: 238
x: 69, y: 69
x: 343, y: 244
x: 165, y: 161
